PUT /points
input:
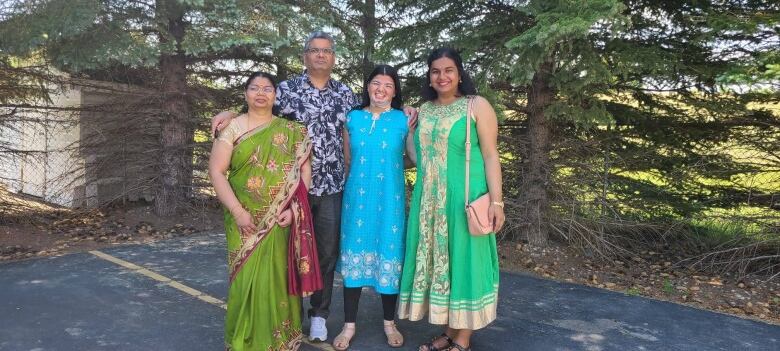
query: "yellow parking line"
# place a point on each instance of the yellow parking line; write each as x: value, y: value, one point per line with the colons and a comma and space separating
x: 161, y: 278
x: 186, y: 289
x: 113, y: 259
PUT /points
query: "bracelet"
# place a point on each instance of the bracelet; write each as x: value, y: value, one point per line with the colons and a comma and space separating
x: 498, y: 203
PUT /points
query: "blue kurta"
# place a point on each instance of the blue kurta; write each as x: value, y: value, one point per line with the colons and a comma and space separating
x: 373, y: 208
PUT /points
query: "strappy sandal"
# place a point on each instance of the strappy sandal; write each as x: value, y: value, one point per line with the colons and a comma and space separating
x: 457, y: 347
x: 394, y: 337
x: 428, y: 346
x: 341, y: 342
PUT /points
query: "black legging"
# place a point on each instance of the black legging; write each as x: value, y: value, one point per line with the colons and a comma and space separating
x: 352, y: 299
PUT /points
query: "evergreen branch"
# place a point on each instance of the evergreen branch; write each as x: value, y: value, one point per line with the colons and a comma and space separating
x: 232, y: 53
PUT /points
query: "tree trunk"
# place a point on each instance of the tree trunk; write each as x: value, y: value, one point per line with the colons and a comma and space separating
x: 368, y: 28
x: 175, y: 168
x: 540, y: 96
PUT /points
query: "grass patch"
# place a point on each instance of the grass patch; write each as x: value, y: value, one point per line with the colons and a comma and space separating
x: 719, y: 225
x: 668, y: 287
x: 633, y: 291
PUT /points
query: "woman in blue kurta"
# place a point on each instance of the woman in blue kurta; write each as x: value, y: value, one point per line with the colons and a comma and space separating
x: 373, y: 209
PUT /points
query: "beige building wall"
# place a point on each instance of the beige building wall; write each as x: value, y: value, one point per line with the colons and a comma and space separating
x: 78, y: 153
x: 48, y: 138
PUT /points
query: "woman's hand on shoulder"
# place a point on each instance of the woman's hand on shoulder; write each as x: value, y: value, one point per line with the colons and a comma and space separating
x: 232, y: 127
x: 220, y: 121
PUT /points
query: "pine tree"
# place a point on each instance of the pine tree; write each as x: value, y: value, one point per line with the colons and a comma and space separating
x: 175, y: 47
x: 604, y: 90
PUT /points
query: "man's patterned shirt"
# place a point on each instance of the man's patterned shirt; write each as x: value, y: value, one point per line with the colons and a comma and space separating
x: 323, y: 112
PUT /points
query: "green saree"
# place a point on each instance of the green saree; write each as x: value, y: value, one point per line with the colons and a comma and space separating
x: 264, y: 173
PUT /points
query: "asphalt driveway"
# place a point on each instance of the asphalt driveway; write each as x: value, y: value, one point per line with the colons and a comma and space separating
x: 170, y: 295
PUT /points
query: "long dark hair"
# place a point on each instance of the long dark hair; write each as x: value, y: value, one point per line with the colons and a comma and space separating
x: 259, y: 74
x: 465, y: 86
x: 397, y: 102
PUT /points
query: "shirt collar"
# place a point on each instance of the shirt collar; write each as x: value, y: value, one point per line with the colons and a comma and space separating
x: 307, y: 82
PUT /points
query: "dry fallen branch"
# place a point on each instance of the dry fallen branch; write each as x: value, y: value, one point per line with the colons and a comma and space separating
x: 743, y: 256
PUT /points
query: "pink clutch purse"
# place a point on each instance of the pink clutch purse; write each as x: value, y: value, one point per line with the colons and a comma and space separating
x: 477, y: 210
x: 477, y: 216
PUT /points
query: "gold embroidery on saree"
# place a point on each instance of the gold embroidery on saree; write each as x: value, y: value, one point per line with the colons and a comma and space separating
x: 280, y: 193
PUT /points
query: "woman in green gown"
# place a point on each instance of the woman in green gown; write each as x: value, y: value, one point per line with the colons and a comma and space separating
x: 259, y: 167
x: 448, y: 273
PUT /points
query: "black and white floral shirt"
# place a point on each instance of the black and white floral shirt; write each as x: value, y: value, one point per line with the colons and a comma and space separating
x: 323, y: 112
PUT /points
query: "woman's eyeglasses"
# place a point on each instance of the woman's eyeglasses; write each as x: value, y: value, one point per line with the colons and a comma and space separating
x: 255, y: 89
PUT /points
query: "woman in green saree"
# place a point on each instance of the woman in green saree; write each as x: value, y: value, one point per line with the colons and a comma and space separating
x: 260, y: 170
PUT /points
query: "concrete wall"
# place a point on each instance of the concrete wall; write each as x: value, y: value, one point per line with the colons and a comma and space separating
x: 64, y: 167
x: 10, y: 163
x: 86, y: 157
x: 46, y: 139
x: 119, y: 147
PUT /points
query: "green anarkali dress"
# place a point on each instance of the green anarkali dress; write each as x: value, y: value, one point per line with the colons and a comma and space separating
x: 265, y: 170
x: 447, y: 273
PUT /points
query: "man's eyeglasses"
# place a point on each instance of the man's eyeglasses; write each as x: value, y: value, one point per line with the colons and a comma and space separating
x: 317, y: 51
x: 255, y: 89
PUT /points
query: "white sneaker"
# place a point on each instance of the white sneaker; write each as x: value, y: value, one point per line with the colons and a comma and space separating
x: 318, y: 329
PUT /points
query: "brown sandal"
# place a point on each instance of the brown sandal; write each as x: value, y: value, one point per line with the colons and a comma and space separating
x: 394, y: 337
x: 429, y: 346
x: 341, y: 342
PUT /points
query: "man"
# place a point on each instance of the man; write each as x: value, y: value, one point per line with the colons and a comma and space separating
x: 321, y: 104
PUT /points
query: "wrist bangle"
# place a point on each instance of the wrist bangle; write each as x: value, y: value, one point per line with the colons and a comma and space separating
x: 498, y: 203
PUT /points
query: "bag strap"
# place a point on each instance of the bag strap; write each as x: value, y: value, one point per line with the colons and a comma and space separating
x: 469, y: 116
